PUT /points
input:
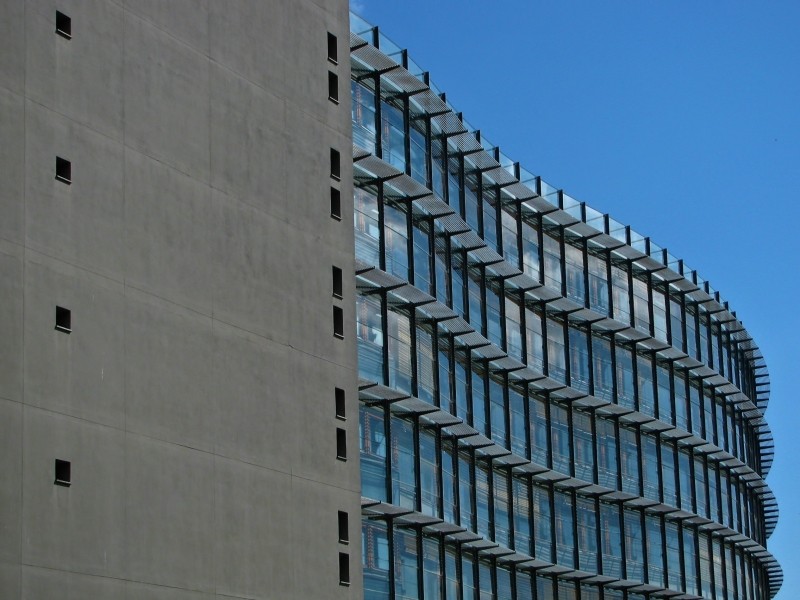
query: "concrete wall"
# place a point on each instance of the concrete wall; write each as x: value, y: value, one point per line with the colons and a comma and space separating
x: 195, y: 394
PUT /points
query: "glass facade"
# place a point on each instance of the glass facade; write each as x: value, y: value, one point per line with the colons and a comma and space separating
x: 551, y: 405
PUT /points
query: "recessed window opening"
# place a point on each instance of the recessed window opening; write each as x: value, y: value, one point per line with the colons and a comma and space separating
x: 344, y: 568
x: 340, y: 408
x: 333, y: 50
x: 337, y: 282
x: 341, y: 444
x: 63, y: 319
x: 63, y: 170
x: 336, y: 165
x: 338, y: 322
x: 63, y: 473
x: 63, y: 25
x: 336, y: 204
x: 344, y: 530
x: 333, y: 87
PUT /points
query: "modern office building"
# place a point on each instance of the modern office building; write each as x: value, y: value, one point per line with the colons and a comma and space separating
x: 547, y: 405
x: 552, y: 406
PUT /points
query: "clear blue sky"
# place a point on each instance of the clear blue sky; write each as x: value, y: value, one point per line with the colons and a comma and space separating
x: 680, y: 118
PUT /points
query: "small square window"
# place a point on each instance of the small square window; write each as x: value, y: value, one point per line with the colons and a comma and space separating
x: 63, y: 473
x: 63, y: 25
x: 338, y: 322
x: 341, y: 444
x: 344, y: 529
x: 336, y: 165
x: 333, y: 87
x: 333, y: 50
x: 336, y: 204
x: 63, y: 319
x: 344, y: 568
x: 337, y: 282
x: 340, y: 406
x: 63, y: 170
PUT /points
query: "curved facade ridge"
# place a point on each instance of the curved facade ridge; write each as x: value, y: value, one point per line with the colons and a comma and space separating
x: 551, y: 405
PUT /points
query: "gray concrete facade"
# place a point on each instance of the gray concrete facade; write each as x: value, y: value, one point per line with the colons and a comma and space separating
x: 194, y: 396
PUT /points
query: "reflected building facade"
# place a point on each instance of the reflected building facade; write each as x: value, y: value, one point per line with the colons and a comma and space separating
x: 551, y: 405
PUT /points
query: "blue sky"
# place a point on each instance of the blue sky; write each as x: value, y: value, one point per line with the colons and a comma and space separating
x: 680, y: 118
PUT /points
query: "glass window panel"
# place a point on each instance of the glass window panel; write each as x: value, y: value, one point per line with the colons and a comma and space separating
x: 489, y: 202
x: 494, y: 326
x: 610, y: 539
x: 697, y: 409
x: 419, y: 152
x: 562, y: 506
x: 650, y: 468
x: 659, y: 315
x: 406, y: 567
x: 681, y: 410
x: 509, y: 220
x: 485, y: 579
x: 522, y: 511
x: 497, y: 412
x: 644, y: 376
x: 629, y: 457
x: 655, y: 554
x: 461, y: 382
x: 431, y: 569
x: 559, y: 421
x: 516, y: 413
x: 465, y: 495
x: 664, y: 389
x: 598, y: 284
x: 587, y: 534
x: 530, y: 249
x: 619, y: 289
x: 363, y: 116
x: 393, y: 138
x: 396, y: 240
x: 404, y: 489
x: 425, y: 365
x: 641, y: 304
x: 567, y: 590
x: 555, y: 350
x: 606, y: 453
x: 689, y: 560
x: 366, y: 225
x: 501, y: 509
x: 538, y: 423
x: 673, y: 556
x: 449, y: 482
x: 685, y: 476
x: 445, y: 368
x: 503, y: 583
x: 482, y: 499
x: 625, y: 387
x: 573, y: 262
x: 513, y: 328
x: 369, y: 331
x: 700, y: 487
x: 552, y: 261
x: 579, y: 360
x: 452, y: 581
x: 422, y: 256
x: 676, y: 323
x: 399, y: 339
x: 458, y: 275
x: 583, y: 445
x: 429, y: 473
x: 706, y: 572
x: 541, y: 521
x: 534, y: 340
x: 474, y: 298
x: 544, y: 586
x: 372, y: 443
x: 668, y: 474
x: 634, y: 551
x: 691, y: 329
x: 524, y: 585
x: 468, y: 576
x: 438, y: 164
x: 603, y: 368
x: 375, y: 560
x: 479, y: 398
x: 471, y: 201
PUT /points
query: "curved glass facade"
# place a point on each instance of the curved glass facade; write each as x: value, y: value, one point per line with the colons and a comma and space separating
x: 552, y: 406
